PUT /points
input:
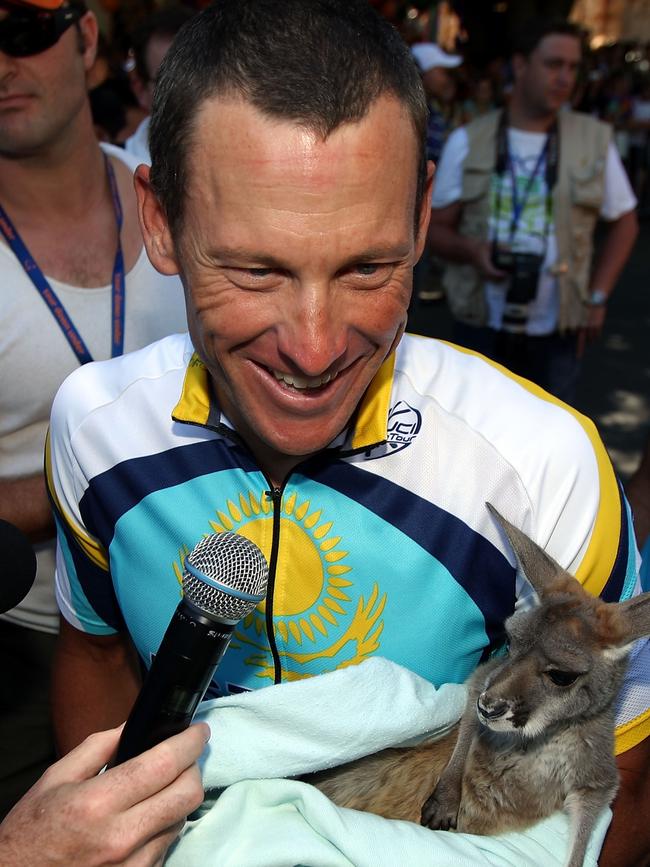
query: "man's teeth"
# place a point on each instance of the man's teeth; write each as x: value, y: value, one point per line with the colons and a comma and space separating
x: 302, y: 382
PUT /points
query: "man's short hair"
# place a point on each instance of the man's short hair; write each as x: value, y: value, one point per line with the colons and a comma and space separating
x: 165, y: 23
x: 320, y: 63
x: 530, y: 34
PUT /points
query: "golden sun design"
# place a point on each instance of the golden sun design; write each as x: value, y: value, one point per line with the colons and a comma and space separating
x: 311, y: 594
x: 311, y: 569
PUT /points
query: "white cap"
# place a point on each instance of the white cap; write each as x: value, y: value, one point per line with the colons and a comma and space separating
x: 428, y: 55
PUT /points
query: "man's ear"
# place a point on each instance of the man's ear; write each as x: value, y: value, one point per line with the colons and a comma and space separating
x: 88, y: 36
x: 154, y: 226
x: 425, y: 211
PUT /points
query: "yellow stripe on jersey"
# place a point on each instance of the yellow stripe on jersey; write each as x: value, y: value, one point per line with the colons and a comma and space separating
x: 372, y: 420
x: 194, y: 403
x: 600, y: 556
x: 631, y: 733
x: 95, y: 552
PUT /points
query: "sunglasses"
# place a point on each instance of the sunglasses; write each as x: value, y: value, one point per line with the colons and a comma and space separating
x: 26, y: 32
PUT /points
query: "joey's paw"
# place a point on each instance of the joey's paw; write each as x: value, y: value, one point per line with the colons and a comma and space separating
x: 439, y: 813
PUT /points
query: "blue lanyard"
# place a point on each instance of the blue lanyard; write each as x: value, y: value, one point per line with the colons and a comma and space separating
x: 550, y: 153
x: 48, y: 295
x: 519, y: 205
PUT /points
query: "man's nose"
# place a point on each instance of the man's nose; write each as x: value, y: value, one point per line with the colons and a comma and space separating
x: 567, y: 76
x: 313, y: 332
x: 7, y: 68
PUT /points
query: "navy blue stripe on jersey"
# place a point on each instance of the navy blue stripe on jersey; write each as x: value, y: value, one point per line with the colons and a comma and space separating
x: 613, y: 589
x: 474, y: 562
x: 113, y: 493
x: 93, y: 581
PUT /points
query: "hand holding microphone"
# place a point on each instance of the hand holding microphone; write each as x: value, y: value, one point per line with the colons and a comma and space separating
x: 225, y: 578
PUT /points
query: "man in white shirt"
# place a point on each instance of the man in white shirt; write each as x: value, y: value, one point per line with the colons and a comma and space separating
x: 515, y: 201
x: 76, y: 285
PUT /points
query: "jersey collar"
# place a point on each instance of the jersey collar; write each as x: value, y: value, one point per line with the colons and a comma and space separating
x: 198, y: 406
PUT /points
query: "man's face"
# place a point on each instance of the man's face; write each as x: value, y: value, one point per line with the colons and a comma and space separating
x: 155, y: 52
x: 548, y: 76
x: 41, y: 95
x: 296, y: 255
x: 437, y: 83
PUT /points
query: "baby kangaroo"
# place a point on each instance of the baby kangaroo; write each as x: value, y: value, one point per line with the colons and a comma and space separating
x: 537, y: 734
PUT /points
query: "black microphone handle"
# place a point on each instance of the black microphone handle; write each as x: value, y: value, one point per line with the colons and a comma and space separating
x: 180, y: 674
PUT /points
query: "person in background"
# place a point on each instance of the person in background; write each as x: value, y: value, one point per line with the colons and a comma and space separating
x: 444, y: 113
x: 481, y: 99
x: 639, y: 140
x: 515, y: 203
x: 75, y: 285
x: 617, y: 109
x: 115, y: 110
x: 150, y: 43
x: 292, y: 192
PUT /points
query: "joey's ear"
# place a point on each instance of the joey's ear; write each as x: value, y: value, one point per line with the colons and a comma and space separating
x: 154, y: 226
x: 540, y: 569
x: 636, y: 616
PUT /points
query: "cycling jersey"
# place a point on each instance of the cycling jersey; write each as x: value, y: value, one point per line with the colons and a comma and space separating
x: 380, y: 544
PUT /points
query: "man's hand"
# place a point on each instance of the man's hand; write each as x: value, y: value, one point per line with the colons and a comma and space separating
x: 482, y: 260
x: 593, y: 327
x: 129, y: 815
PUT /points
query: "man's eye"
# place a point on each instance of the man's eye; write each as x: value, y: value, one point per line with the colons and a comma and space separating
x: 259, y: 272
x: 366, y: 269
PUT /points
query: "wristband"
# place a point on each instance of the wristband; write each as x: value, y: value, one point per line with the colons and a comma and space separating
x: 597, y: 298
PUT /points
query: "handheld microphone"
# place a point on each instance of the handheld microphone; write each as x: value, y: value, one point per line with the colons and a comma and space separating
x: 18, y: 566
x: 225, y: 578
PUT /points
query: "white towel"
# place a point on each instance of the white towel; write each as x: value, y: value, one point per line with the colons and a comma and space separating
x: 262, y: 820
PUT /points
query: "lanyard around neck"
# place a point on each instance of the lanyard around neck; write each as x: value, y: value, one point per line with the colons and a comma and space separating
x: 48, y: 295
x: 548, y: 156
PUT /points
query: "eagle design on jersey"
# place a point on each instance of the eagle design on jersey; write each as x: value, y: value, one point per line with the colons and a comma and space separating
x: 316, y: 612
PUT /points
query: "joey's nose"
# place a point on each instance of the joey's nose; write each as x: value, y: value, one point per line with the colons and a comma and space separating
x: 491, y: 708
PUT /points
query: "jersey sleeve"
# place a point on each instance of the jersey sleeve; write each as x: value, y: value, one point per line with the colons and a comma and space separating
x: 618, y: 196
x: 84, y: 589
x: 578, y: 513
x: 606, y: 562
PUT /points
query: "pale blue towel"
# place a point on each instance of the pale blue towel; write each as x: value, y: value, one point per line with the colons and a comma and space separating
x: 262, y: 820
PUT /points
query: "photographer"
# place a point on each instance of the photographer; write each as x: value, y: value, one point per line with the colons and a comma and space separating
x: 516, y: 198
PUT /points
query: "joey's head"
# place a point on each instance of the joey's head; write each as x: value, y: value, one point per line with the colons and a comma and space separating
x: 567, y: 656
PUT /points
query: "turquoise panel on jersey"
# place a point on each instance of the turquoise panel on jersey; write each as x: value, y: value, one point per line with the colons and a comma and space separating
x: 632, y: 571
x: 347, y: 587
x: 78, y: 599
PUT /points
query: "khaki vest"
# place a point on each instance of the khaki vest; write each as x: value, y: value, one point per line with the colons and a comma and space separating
x: 577, y: 200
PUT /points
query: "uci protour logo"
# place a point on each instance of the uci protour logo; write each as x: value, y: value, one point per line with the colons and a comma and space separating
x: 404, y: 423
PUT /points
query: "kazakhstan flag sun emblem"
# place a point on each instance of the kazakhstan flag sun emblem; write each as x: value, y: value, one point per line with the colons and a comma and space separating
x: 320, y: 622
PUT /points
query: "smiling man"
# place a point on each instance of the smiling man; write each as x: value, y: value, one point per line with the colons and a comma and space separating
x: 289, y: 189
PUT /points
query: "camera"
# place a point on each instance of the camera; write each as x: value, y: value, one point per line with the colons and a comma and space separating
x: 524, y: 270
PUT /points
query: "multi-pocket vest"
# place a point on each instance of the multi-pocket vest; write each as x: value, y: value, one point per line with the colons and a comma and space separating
x: 577, y: 199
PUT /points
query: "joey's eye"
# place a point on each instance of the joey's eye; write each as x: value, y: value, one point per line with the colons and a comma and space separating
x: 562, y: 678
x: 366, y: 269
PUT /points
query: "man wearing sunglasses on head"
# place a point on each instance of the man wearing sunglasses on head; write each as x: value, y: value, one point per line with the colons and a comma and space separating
x: 75, y: 285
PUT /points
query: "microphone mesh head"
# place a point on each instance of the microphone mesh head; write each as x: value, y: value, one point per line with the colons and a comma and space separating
x: 234, y: 562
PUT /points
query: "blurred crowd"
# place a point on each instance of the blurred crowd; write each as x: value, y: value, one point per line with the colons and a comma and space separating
x: 614, y: 85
